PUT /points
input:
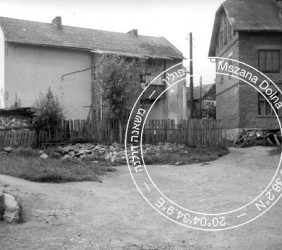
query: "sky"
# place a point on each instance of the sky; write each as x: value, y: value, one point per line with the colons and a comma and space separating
x: 171, y: 19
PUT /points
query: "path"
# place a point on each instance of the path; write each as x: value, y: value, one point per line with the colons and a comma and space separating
x: 113, y: 215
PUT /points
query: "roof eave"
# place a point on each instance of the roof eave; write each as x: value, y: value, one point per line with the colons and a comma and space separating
x: 48, y: 45
x: 215, y: 27
x: 122, y: 53
x: 96, y: 50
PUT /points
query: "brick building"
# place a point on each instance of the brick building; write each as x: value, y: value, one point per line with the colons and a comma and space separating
x: 249, y: 31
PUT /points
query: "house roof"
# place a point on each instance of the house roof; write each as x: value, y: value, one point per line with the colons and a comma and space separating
x: 46, y: 34
x: 17, y: 112
x: 196, y: 91
x: 248, y: 15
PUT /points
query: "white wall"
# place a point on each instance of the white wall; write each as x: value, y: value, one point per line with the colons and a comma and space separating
x: 31, y: 70
x: 2, y: 68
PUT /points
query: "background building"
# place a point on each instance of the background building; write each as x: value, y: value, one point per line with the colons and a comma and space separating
x: 35, y: 56
x: 249, y: 31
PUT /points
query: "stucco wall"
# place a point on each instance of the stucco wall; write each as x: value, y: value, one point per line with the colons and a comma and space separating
x: 159, y: 111
x: 2, y: 68
x: 174, y: 104
x: 176, y: 96
x: 31, y: 70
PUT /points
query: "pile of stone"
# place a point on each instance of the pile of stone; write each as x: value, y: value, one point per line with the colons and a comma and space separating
x: 258, y: 138
x: 94, y: 152
x: 114, y: 153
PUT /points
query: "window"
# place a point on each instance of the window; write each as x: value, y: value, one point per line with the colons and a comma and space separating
x: 264, y: 107
x: 269, y: 61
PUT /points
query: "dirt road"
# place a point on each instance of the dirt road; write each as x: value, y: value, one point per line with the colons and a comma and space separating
x: 113, y: 215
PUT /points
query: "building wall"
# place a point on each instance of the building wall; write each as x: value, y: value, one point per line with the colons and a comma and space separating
x: 237, y: 101
x: 248, y: 105
x: 174, y: 105
x: 159, y: 110
x: 176, y: 95
x: 250, y: 44
x: 30, y: 70
x: 2, y: 68
x: 227, y: 90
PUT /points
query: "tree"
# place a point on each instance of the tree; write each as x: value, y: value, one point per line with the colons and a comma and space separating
x: 48, y: 113
x: 119, y: 79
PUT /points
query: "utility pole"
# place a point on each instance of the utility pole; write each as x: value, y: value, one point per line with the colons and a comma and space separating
x: 191, y: 77
x: 201, y: 86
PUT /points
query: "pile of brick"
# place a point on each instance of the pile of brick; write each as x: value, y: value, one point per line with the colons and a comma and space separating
x: 250, y: 138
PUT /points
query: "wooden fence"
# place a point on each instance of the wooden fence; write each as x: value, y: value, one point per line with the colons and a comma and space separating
x: 190, y: 132
x: 18, y: 138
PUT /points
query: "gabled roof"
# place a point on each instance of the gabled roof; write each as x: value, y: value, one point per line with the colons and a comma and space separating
x: 46, y: 34
x: 248, y: 15
x: 196, y: 91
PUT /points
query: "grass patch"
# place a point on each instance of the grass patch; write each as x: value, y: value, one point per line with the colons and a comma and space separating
x: 26, y: 166
x: 25, y: 152
x: 187, y: 155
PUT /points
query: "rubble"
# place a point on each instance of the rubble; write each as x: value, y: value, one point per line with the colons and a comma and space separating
x: 114, y: 153
x: 8, y: 149
x: 94, y: 152
x: 258, y: 137
x: 43, y: 156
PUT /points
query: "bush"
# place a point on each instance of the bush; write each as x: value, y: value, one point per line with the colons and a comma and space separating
x: 48, y: 113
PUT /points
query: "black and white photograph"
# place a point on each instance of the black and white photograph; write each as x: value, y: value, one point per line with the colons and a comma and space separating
x: 140, y: 125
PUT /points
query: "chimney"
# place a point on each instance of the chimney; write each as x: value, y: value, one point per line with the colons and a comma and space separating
x: 133, y: 33
x: 57, y: 22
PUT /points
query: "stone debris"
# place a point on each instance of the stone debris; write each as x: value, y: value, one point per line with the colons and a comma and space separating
x: 114, y: 153
x: 8, y: 149
x: 43, y: 156
x: 259, y: 137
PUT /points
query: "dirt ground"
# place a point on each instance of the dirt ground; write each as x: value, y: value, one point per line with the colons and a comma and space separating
x: 113, y: 215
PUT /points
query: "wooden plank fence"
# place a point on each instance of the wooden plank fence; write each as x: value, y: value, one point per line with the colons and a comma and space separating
x: 18, y: 138
x: 190, y: 132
